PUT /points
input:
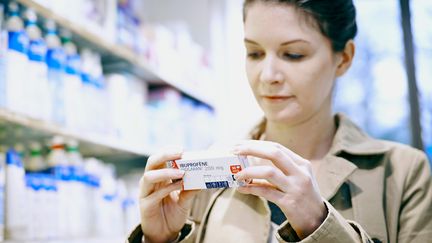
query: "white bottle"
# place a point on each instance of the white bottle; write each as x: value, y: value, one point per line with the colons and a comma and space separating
x: 77, y: 209
x: 2, y: 190
x: 100, y: 98
x: 36, y: 161
x: 87, y: 94
x: 72, y: 82
x: 54, y: 209
x: 3, y: 51
x: 50, y: 208
x: 55, y: 60
x: 36, y: 87
x: 58, y: 162
x: 16, y: 60
x: 16, y: 209
x: 32, y: 207
x: 94, y: 171
x: 57, y: 155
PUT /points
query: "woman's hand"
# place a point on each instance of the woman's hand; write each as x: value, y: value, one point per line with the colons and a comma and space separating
x: 290, y: 184
x: 164, y: 207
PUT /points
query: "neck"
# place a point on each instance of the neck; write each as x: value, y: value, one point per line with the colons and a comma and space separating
x: 311, y: 139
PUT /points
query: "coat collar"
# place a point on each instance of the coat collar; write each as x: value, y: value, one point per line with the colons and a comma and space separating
x: 351, y: 139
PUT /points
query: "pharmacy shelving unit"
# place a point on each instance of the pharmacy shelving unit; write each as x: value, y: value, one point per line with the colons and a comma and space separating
x: 113, y: 55
x: 120, y: 57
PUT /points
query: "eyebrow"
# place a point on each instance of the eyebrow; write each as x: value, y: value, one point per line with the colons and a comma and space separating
x: 283, y: 44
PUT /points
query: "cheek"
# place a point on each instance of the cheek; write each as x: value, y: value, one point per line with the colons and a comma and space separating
x: 252, y: 75
x: 315, y: 81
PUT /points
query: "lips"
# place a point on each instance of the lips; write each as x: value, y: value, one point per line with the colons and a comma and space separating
x: 276, y: 98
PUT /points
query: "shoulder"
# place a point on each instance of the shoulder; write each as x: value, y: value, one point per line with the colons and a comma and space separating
x: 403, y: 155
x: 364, y: 149
x: 404, y: 163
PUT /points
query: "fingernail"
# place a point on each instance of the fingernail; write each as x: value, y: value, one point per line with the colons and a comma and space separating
x: 180, y: 172
x: 236, y: 150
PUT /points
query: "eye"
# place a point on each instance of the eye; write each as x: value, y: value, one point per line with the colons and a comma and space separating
x: 293, y: 56
x: 255, y: 55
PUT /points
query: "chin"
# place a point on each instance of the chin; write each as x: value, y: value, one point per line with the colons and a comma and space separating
x: 286, y: 117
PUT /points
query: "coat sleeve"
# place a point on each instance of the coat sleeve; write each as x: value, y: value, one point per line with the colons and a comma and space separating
x: 335, y: 228
x: 189, y: 231
x: 415, y: 219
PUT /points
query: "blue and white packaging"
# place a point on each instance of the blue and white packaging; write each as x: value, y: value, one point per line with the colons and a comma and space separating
x: 16, y: 60
x: 15, y: 203
x: 2, y: 192
x: 55, y: 60
x: 38, y: 104
x: 3, y: 51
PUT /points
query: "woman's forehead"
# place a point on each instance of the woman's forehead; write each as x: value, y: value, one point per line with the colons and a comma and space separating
x: 278, y: 21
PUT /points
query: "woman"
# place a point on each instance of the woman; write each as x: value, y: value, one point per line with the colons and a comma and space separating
x: 316, y: 176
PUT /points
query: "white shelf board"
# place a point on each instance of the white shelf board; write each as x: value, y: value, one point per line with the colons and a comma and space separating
x: 17, y: 127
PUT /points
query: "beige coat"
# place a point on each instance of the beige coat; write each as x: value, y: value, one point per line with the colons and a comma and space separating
x: 374, y: 190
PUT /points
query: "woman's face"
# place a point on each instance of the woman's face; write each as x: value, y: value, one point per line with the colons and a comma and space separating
x: 290, y: 65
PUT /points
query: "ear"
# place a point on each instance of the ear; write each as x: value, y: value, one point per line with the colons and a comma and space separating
x: 346, y: 57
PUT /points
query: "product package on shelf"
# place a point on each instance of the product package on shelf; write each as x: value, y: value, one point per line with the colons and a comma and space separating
x: 173, y: 54
x: 98, y: 17
x: 127, y: 24
x: 3, y: 151
x: 3, y: 52
x: 95, y: 109
x: 36, y: 88
x: 178, y: 120
x: 16, y: 214
x: 15, y: 60
x: 127, y: 97
x: 72, y: 82
x: 55, y: 59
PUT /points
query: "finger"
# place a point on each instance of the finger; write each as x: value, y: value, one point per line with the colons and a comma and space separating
x: 296, y: 157
x: 147, y: 183
x: 269, y: 193
x: 270, y: 173
x: 262, y: 182
x: 185, y: 198
x: 158, y: 160
x: 271, y: 151
x: 163, y: 192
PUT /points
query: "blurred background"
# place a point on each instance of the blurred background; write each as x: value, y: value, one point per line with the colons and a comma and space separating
x: 90, y: 88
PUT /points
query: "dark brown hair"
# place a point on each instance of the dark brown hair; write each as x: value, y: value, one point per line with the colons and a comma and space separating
x: 336, y: 19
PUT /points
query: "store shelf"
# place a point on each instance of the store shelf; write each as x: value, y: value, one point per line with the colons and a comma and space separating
x: 128, y: 59
x: 82, y: 240
x: 19, y: 128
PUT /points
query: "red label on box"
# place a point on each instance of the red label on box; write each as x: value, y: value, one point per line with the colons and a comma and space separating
x: 235, y: 169
x: 174, y: 165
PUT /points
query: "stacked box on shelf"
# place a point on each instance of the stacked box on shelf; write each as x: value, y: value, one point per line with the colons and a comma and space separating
x: 178, y: 120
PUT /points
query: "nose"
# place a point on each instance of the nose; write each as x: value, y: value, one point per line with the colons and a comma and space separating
x: 270, y: 72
